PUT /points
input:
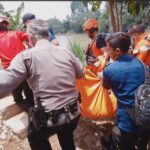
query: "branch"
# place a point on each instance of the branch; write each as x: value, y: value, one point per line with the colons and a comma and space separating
x: 121, y: 16
x: 147, y: 15
x: 117, y: 15
x: 123, y: 6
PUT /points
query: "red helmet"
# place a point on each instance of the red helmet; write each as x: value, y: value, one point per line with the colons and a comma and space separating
x: 90, y: 23
x: 4, y: 20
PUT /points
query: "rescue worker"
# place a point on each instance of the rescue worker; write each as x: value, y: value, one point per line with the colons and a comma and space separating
x: 12, y: 43
x: 97, y: 47
x: 138, y: 34
x: 124, y: 76
x: 51, y: 72
x: 144, y: 51
x: 29, y: 16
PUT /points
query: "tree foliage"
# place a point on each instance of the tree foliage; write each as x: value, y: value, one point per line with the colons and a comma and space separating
x: 72, y: 23
x: 116, y: 8
x: 125, y: 13
x: 14, y: 16
x: 55, y: 24
x: 123, y: 19
x: 79, y: 6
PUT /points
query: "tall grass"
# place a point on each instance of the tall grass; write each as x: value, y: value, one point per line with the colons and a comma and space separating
x: 77, y: 49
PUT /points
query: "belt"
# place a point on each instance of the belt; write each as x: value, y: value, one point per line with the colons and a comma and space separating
x: 54, y: 114
x: 71, y: 107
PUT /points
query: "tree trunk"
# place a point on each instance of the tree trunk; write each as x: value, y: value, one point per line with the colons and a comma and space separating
x: 111, y: 16
x: 120, y: 28
x: 117, y: 17
x: 147, y: 16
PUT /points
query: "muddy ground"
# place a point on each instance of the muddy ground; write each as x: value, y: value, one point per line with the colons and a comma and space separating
x: 87, y: 137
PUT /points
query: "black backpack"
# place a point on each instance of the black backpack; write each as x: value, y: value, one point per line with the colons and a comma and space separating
x: 141, y: 108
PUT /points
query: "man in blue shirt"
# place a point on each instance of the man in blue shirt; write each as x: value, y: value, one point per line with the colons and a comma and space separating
x: 124, y: 76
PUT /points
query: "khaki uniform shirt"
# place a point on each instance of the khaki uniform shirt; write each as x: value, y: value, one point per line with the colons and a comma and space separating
x: 52, y: 74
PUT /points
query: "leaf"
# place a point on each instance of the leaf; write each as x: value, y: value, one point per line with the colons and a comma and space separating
x: 137, y: 8
x: 96, y: 5
x: 85, y: 3
x: 1, y: 7
x: 131, y: 7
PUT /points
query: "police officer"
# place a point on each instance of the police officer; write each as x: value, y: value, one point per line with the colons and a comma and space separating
x: 51, y: 72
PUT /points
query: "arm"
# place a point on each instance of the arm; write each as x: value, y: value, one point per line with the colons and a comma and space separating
x: 106, y: 80
x: 55, y: 42
x: 24, y: 38
x: 13, y: 76
x: 100, y: 43
x: 52, y: 37
x: 78, y: 67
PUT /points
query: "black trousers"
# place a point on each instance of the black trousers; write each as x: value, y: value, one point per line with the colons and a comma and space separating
x: 121, y: 140
x: 38, y: 140
x: 26, y: 103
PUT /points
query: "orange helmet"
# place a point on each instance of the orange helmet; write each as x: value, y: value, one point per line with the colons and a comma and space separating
x: 4, y: 20
x: 90, y: 23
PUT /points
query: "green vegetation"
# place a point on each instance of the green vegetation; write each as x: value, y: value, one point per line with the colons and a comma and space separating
x: 77, y: 49
x: 115, y: 9
x: 116, y: 15
x: 14, y: 16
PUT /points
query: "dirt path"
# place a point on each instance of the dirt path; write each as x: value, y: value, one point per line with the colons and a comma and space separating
x: 87, y: 137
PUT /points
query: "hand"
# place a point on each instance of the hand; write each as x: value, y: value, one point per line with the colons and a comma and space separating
x: 135, y: 52
x: 86, y: 71
x: 107, y: 57
x: 96, y: 64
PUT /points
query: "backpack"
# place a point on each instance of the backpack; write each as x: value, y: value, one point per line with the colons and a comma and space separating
x: 141, y: 108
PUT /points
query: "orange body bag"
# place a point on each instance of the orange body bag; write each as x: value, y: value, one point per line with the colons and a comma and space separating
x: 97, y: 102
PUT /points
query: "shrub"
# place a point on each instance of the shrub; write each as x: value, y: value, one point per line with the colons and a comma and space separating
x: 77, y: 49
